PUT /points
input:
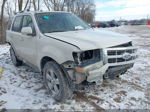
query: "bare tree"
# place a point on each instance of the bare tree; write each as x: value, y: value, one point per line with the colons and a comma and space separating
x: 38, y: 4
x: 20, y: 4
x: 55, y: 5
x: 34, y: 5
x: 47, y: 4
x: 15, y: 3
x: 82, y: 8
x: 26, y: 4
x: 2, y: 37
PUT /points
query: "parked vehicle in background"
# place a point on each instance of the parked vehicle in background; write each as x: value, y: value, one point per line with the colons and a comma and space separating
x: 103, y: 25
x: 113, y: 23
x: 67, y: 52
x: 148, y: 23
x: 100, y: 25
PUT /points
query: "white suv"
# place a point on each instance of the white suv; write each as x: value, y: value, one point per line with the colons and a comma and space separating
x: 66, y: 51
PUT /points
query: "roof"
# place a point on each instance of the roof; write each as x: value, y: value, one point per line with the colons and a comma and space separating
x: 34, y: 12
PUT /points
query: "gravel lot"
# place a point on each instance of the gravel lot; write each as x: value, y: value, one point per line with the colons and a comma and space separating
x: 21, y: 88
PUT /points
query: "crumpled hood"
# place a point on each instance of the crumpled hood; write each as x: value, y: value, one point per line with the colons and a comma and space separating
x: 91, y: 38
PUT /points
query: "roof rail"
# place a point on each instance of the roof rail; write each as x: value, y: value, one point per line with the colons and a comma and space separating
x: 19, y: 12
x: 22, y: 11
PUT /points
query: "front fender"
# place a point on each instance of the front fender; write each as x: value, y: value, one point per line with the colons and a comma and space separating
x: 55, y: 49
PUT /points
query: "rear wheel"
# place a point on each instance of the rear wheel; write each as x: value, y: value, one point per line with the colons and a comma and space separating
x: 55, y: 82
x: 14, y: 58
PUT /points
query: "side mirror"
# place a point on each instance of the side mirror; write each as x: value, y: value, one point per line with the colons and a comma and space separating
x: 27, y: 31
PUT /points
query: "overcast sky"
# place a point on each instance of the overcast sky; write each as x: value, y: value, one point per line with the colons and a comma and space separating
x: 124, y: 9
x: 116, y: 9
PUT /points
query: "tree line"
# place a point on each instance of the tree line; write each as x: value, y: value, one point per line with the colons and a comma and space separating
x: 85, y: 9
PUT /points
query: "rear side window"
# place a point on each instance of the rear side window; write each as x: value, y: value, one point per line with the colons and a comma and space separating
x: 17, y: 24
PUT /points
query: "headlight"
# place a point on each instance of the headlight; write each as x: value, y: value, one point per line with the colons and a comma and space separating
x: 87, y: 57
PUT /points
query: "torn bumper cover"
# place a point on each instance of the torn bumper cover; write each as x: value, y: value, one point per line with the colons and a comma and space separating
x: 107, y: 71
x: 116, y: 61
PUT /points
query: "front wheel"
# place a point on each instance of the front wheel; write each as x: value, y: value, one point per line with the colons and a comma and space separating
x: 55, y: 82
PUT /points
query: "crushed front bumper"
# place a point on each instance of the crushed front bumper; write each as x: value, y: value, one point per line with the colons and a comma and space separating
x: 114, y: 64
x: 107, y: 72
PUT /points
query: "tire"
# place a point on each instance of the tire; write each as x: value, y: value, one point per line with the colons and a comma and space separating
x: 14, y: 58
x: 55, y: 82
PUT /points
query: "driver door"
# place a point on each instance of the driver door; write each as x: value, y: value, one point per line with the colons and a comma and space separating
x: 28, y: 42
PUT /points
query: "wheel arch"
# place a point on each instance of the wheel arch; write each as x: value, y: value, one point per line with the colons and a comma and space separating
x: 11, y: 45
x: 8, y: 43
x: 45, y: 59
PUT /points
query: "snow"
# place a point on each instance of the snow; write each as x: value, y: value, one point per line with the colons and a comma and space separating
x: 21, y: 88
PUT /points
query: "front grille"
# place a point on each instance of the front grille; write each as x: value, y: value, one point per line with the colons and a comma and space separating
x: 122, y: 54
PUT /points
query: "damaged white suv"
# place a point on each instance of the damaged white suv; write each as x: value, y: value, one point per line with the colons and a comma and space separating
x: 68, y: 52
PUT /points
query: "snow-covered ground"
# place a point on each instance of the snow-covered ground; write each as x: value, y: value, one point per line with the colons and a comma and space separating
x: 21, y: 88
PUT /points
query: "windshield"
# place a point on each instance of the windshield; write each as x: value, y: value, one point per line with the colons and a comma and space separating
x: 59, y: 22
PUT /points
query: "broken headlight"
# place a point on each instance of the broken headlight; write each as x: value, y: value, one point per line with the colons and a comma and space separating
x: 87, y: 57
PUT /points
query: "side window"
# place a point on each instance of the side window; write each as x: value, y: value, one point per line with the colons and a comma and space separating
x: 17, y: 24
x: 27, y: 22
